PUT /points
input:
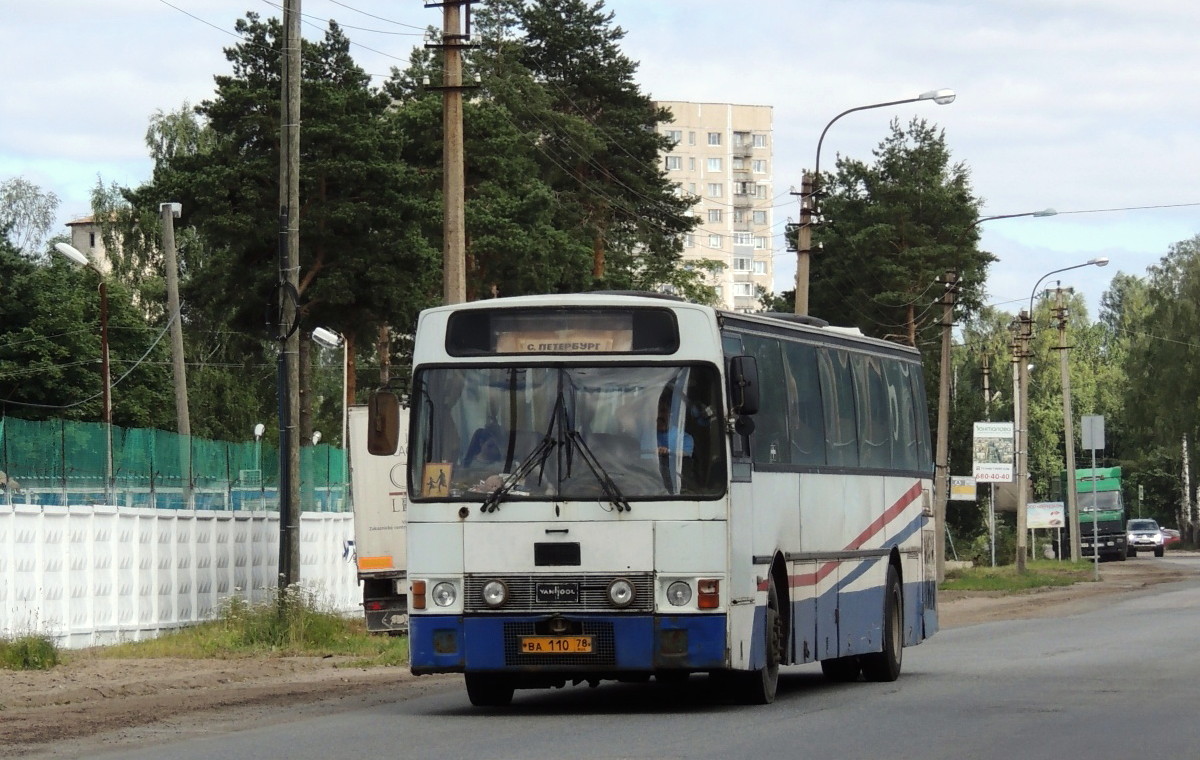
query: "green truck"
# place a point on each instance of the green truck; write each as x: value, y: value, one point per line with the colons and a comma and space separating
x: 1098, y: 494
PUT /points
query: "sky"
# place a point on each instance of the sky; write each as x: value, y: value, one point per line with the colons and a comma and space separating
x: 1089, y: 107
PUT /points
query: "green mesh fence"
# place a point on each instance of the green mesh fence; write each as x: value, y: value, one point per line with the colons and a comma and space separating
x: 63, y: 462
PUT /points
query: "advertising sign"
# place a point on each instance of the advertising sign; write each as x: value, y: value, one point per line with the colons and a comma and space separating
x: 1046, y: 514
x: 993, y: 461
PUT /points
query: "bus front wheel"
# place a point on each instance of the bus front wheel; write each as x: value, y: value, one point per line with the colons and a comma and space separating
x: 759, y: 686
x: 885, y: 665
x: 489, y: 690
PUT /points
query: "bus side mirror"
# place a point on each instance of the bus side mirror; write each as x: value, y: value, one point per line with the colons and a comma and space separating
x: 383, y: 423
x: 743, y: 385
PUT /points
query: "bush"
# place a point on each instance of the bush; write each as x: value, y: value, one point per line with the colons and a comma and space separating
x: 29, y: 653
x: 293, y: 622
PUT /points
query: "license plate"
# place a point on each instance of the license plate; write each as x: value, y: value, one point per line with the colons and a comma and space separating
x: 557, y: 592
x: 556, y: 645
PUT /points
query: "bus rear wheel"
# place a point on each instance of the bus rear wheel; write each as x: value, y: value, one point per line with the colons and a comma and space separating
x: 885, y: 665
x: 759, y: 686
x: 489, y: 689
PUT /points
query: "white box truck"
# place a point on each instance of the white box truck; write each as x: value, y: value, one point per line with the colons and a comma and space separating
x: 378, y: 487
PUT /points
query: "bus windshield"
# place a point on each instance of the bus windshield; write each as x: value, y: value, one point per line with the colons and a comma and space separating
x: 570, y: 432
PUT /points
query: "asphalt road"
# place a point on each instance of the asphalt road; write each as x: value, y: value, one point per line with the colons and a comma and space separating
x: 1118, y: 682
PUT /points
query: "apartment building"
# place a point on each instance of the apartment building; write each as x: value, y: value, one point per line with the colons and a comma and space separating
x: 721, y: 157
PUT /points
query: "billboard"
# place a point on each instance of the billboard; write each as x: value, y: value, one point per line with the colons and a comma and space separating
x: 1046, y: 514
x: 993, y: 452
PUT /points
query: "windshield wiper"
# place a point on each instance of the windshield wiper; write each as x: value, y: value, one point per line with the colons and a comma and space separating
x: 536, y: 458
x: 611, y: 490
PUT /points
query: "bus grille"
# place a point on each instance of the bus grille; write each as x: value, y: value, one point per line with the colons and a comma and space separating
x: 603, y: 651
x: 593, y: 593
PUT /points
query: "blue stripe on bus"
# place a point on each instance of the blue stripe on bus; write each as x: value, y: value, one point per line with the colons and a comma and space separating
x: 447, y: 643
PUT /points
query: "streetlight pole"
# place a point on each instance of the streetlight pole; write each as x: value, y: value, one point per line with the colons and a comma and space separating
x: 259, y: 429
x: 169, y: 213
x: 941, y: 462
x: 77, y: 257
x: 1023, y: 420
x: 811, y: 186
x: 331, y: 339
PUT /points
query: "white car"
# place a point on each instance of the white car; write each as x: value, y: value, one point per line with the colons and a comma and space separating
x: 1144, y: 535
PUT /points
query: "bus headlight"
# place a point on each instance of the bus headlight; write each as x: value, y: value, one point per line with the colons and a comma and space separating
x: 444, y: 594
x: 495, y: 593
x: 679, y: 593
x: 620, y: 593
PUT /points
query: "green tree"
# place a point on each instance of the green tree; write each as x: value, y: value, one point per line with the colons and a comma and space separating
x: 364, y: 260
x: 50, y: 346
x: 563, y: 81
x: 891, y: 231
x: 27, y: 213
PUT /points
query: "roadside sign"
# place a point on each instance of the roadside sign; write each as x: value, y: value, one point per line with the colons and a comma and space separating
x: 1046, y: 514
x: 1093, y: 432
x: 993, y: 452
x: 962, y: 488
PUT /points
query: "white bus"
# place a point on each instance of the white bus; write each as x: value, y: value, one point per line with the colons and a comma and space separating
x: 619, y: 486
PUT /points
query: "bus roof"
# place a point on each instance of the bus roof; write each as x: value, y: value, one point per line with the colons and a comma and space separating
x: 815, y: 325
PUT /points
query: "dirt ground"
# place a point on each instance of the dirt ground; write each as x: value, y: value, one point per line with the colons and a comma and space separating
x: 91, y: 704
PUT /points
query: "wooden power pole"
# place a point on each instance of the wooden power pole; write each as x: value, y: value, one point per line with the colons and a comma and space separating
x: 941, y: 465
x: 1072, y: 498
x: 804, y: 242
x: 288, y: 379
x: 454, y: 233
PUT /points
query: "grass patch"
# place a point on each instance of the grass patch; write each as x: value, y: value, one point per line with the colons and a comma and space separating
x: 292, y: 624
x: 1038, y: 574
x: 28, y: 653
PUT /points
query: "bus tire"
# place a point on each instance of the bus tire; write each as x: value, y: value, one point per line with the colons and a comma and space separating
x: 841, y: 669
x: 489, y: 689
x: 759, y: 686
x: 884, y: 666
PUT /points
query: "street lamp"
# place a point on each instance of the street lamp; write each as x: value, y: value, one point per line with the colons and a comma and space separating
x: 259, y: 429
x: 75, y: 256
x: 1021, y: 419
x: 331, y: 339
x: 808, y: 196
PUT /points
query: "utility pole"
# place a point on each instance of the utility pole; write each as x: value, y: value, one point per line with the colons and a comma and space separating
x: 1184, y: 512
x: 987, y: 415
x: 288, y: 378
x: 454, y: 234
x: 1021, y: 357
x: 1060, y: 313
x: 804, y: 243
x: 941, y: 486
x: 170, y: 212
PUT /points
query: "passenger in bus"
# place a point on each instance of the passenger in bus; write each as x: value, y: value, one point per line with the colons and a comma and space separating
x: 484, y: 448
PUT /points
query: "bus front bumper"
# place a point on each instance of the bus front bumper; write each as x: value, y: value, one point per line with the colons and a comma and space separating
x: 614, y: 644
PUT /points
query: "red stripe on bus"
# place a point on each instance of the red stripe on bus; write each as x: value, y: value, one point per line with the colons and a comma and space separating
x: 891, y: 513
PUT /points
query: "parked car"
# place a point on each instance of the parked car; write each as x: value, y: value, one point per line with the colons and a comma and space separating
x: 1144, y: 535
x: 1170, y: 536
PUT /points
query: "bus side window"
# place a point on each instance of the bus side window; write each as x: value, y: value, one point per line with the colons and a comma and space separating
x: 770, y: 442
x: 804, y: 412
x: 905, y: 443
x: 874, y: 441
x: 837, y: 391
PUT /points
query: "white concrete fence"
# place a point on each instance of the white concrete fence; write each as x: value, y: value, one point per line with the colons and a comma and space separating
x: 95, y: 575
